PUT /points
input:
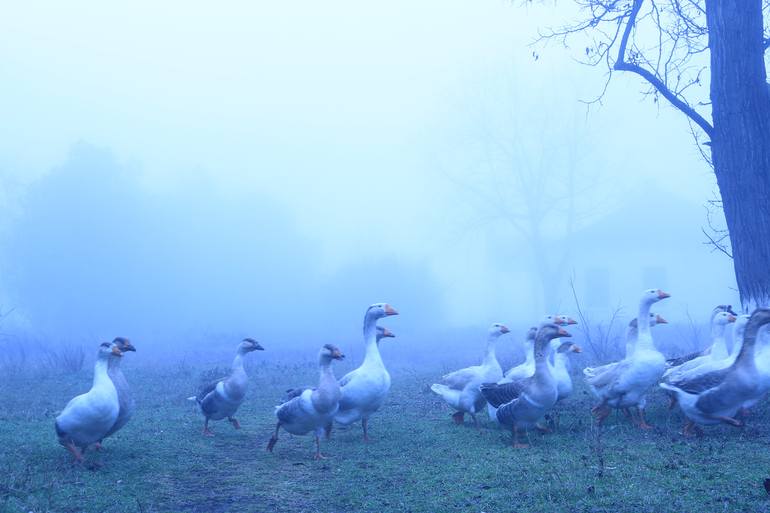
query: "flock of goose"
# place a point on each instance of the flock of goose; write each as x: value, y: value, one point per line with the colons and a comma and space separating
x: 713, y: 386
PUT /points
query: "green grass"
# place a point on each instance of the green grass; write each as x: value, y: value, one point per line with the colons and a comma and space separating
x: 419, y: 461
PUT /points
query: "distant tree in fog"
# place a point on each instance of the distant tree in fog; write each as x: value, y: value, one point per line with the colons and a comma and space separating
x: 677, y: 47
x: 524, y: 175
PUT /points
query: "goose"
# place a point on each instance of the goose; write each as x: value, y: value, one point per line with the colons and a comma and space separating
x: 365, y: 388
x: 460, y: 389
x: 716, y: 353
x: 125, y: 397
x: 762, y: 362
x: 88, y: 417
x: 560, y: 367
x: 626, y: 384
x: 381, y: 333
x: 527, y: 369
x: 312, y: 409
x: 717, y: 396
x: 632, y: 333
x: 521, y: 403
x: 715, y: 362
x: 221, y: 398
x: 681, y: 360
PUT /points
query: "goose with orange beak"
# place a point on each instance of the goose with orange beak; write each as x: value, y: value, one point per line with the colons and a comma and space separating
x: 626, y: 384
x: 460, y: 389
x: 520, y: 404
x: 313, y: 408
x: 88, y: 417
x: 365, y: 388
x: 125, y: 397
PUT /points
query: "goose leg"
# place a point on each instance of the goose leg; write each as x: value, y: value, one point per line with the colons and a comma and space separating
x: 516, y: 443
x: 365, y: 424
x: 206, y: 430
x: 328, y: 430
x: 234, y: 422
x: 75, y: 452
x: 318, y: 455
x: 601, y: 412
x: 731, y: 421
x: 642, y: 422
x: 274, y: 438
x: 475, y: 421
x: 458, y: 417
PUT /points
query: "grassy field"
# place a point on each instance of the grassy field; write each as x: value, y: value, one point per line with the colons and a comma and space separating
x: 418, y: 461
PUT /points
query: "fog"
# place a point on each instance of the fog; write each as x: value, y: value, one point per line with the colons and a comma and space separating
x: 203, y: 172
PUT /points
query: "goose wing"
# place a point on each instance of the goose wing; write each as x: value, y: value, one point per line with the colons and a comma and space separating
x: 499, y: 394
x: 459, y: 378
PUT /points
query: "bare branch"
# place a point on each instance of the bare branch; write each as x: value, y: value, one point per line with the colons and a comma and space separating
x: 623, y: 65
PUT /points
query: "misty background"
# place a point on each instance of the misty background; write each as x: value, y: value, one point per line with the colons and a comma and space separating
x: 205, y: 173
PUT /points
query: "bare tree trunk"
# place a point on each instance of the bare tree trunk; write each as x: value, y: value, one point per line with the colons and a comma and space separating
x: 741, y: 138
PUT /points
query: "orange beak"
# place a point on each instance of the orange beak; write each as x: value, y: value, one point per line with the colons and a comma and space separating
x: 663, y: 295
x: 731, y: 318
x: 504, y: 329
x: 389, y: 310
x: 570, y: 320
x: 660, y: 320
x: 576, y: 349
x: 563, y: 333
x: 116, y: 351
x: 387, y: 333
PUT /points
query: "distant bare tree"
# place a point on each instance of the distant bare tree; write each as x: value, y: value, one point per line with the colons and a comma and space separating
x: 525, y: 174
x: 676, y: 47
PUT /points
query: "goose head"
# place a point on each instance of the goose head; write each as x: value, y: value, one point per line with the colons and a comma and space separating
x: 759, y: 318
x: 498, y: 329
x: 569, y: 346
x: 651, y: 296
x: 124, y: 344
x: 654, y: 319
x: 722, y: 318
x: 109, y: 350
x: 546, y: 333
x: 330, y: 352
x: 384, y: 333
x: 740, y: 326
x: 380, y: 310
x: 248, y: 345
x: 559, y: 320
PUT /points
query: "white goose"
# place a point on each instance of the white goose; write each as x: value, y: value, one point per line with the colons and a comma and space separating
x: 88, y: 417
x: 716, y: 353
x: 365, y: 388
x: 718, y: 360
x: 460, y: 389
x: 632, y: 334
x: 560, y: 367
x: 717, y: 396
x: 311, y: 409
x: 625, y: 385
x: 222, y: 398
x: 527, y: 368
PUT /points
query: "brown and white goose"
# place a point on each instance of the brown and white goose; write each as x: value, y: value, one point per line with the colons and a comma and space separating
x: 221, y: 398
x: 717, y: 396
x: 125, y: 397
x: 522, y: 403
x: 312, y: 409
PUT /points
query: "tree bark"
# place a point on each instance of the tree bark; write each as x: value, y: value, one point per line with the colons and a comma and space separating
x: 741, y: 139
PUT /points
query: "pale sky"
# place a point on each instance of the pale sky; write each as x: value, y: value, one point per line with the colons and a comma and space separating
x: 351, y: 114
